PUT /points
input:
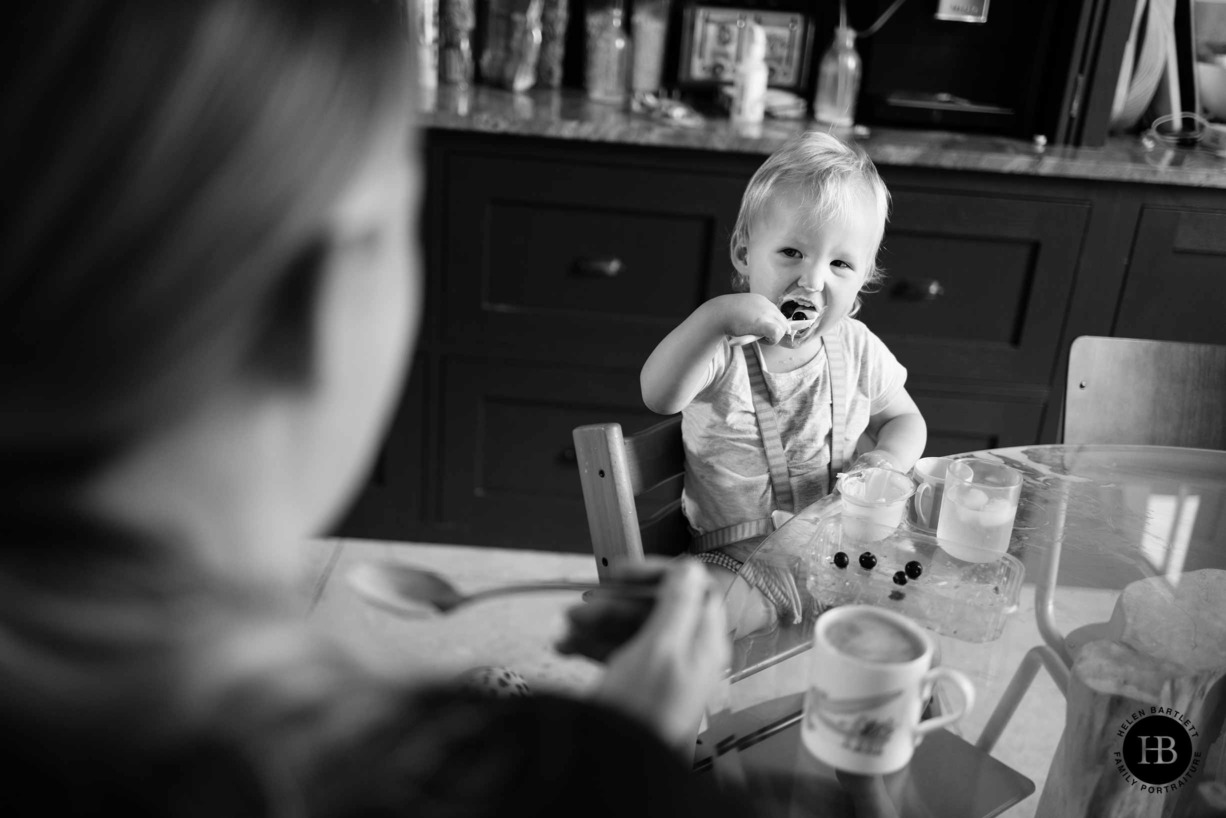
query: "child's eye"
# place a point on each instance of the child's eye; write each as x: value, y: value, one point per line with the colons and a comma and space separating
x: 791, y: 252
x: 842, y: 264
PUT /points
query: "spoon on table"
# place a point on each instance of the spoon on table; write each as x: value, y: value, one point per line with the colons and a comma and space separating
x: 418, y: 592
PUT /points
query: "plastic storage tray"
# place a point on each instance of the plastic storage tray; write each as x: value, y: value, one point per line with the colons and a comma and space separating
x: 966, y: 600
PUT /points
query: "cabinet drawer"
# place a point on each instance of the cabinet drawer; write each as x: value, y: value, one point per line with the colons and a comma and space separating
x: 977, y: 286
x: 612, y: 254
x: 968, y: 423
x: 510, y: 476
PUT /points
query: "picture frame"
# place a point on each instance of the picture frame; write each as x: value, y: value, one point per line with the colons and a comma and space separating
x: 714, y: 38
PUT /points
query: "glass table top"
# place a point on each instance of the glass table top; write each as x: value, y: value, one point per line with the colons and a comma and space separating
x: 1091, y: 521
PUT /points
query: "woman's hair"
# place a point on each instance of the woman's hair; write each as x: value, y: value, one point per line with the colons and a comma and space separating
x: 169, y: 170
x: 827, y: 172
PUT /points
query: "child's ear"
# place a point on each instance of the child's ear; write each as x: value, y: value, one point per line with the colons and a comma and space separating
x: 740, y: 259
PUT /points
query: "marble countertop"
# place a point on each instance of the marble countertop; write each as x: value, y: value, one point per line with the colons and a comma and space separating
x: 567, y: 115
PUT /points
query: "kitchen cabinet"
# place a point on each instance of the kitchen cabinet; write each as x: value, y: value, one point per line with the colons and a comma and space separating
x: 555, y: 266
x: 1175, y: 285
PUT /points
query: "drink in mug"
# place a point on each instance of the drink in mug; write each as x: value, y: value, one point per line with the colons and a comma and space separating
x: 874, y: 639
x: 870, y: 676
x: 978, y: 508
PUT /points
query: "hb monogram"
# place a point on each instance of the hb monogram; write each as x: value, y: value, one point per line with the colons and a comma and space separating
x: 1163, y: 747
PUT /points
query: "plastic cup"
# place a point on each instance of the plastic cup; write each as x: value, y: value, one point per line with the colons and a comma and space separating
x: 874, y: 501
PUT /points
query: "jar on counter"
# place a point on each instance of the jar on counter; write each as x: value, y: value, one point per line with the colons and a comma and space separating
x: 512, y: 43
x: 554, y: 18
x: 456, y: 21
x: 648, y: 30
x: 608, y: 53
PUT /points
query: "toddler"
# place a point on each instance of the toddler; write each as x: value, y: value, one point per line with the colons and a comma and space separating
x: 778, y: 382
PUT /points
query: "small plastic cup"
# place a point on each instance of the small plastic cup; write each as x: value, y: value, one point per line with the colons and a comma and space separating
x: 874, y: 501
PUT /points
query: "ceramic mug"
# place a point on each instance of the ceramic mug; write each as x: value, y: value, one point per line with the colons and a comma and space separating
x: 870, y: 675
x: 929, y: 476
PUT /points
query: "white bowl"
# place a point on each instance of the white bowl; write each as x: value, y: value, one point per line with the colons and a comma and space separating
x: 1211, y: 78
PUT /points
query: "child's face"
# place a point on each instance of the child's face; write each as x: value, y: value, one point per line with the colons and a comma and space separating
x: 792, y: 256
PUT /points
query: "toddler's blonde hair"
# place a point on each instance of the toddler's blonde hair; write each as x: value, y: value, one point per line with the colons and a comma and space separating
x: 827, y: 172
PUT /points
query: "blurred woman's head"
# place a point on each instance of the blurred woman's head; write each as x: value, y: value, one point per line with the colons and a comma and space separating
x: 205, y: 268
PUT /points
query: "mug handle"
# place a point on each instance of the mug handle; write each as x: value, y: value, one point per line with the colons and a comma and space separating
x: 928, y: 681
x: 923, y: 515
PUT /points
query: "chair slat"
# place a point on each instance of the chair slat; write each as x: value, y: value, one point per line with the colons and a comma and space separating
x: 1128, y: 390
x: 655, y: 454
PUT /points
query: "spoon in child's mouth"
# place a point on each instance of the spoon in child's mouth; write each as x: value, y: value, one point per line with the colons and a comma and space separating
x: 800, y: 312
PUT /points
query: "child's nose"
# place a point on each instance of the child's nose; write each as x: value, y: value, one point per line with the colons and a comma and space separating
x: 813, y: 279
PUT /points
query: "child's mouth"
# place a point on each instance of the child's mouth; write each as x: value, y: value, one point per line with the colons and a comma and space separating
x: 802, y: 315
x: 799, y: 308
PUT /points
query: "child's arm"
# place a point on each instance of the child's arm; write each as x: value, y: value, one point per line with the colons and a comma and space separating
x: 677, y: 370
x: 900, y: 432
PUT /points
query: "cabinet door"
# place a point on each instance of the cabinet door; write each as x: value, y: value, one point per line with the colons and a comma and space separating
x: 589, y: 259
x: 977, y: 286
x: 1175, y: 289
x: 509, y: 476
x: 389, y: 505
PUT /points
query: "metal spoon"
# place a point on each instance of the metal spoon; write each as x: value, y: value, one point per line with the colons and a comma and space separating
x: 417, y: 592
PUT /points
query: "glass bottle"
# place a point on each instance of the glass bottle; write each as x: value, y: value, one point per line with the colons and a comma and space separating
x: 608, y: 54
x: 838, y: 80
x: 524, y: 47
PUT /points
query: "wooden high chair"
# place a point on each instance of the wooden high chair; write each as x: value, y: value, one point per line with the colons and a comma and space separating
x: 632, y: 491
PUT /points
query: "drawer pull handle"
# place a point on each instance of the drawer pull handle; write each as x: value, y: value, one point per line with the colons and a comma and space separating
x: 607, y: 267
x: 929, y: 290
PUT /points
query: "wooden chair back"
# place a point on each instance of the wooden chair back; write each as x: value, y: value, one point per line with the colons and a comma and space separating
x: 1128, y: 390
x: 632, y: 490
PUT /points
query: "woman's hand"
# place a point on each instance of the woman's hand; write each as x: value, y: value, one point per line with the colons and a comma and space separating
x: 672, y: 665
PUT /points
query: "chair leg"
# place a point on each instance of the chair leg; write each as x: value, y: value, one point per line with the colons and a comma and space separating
x: 1018, y: 685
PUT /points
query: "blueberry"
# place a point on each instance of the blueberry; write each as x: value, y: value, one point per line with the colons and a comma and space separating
x: 914, y: 569
x: 900, y: 578
x: 897, y: 595
x: 840, y: 560
x: 867, y: 561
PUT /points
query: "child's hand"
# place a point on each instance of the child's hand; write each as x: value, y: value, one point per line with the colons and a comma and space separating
x: 746, y: 317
